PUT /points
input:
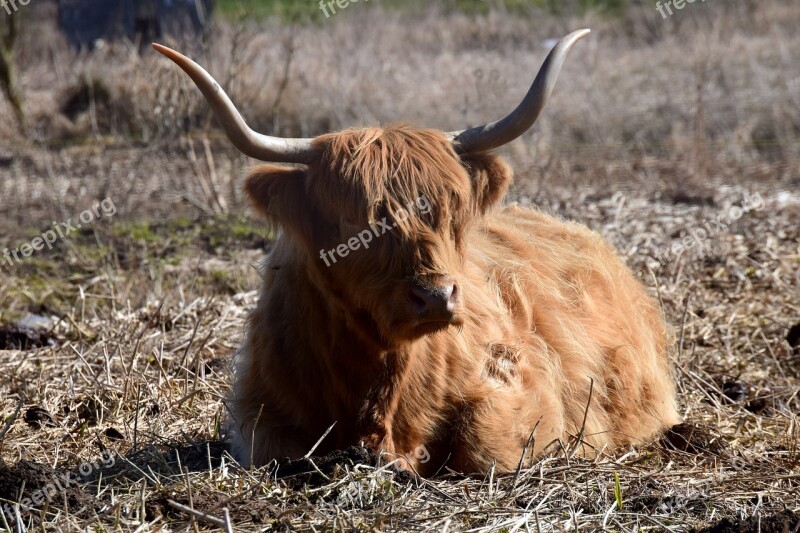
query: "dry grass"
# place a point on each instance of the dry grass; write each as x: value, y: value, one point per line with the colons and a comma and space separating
x: 150, y: 305
x: 149, y: 383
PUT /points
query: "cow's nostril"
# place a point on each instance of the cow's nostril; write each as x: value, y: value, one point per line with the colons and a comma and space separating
x: 419, y: 298
x: 454, y: 296
x: 433, y: 303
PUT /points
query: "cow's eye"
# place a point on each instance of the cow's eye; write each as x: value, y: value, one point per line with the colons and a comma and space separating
x: 348, y: 228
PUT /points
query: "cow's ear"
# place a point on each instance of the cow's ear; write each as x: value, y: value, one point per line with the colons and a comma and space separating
x: 490, y: 178
x: 278, y: 193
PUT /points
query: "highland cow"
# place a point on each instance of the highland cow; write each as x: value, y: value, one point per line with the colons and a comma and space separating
x: 479, y: 333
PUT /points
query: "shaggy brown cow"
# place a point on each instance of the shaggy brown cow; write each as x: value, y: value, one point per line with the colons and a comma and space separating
x: 458, y: 327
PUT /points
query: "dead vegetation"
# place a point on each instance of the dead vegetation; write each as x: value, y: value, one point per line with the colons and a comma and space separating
x: 656, y: 129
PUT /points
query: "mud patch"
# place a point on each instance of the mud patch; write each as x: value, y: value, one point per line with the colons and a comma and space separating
x: 297, y: 474
x: 312, y: 472
x: 736, y: 391
x: 114, y: 434
x: 693, y: 438
x: 38, y: 417
x: 682, y: 197
x: 251, y: 509
x: 215, y: 365
x: 196, y: 457
x: 15, y: 337
x: 787, y: 522
x: 43, y: 486
x: 793, y: 337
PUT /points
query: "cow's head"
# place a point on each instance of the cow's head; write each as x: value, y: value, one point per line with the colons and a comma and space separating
x: 380, y: 215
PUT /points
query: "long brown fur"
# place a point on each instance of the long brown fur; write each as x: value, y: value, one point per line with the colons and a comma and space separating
x: 551, y: 320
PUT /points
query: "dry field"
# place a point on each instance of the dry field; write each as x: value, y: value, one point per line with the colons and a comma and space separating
x: 115, y: 343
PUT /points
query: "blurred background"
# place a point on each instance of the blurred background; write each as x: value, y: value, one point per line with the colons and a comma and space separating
x: 680, y: 103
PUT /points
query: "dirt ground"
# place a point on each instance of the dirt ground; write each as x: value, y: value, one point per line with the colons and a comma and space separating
x: 115, y: 342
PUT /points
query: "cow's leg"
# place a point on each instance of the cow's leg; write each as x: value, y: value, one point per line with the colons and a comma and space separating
x: 515, y: 409
x: 252, y: 445
x: 503, y: 429
x: 374, y: 426
x: 259, y: 428
x: 378, y: 416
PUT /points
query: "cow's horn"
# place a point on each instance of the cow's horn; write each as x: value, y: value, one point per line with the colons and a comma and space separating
x: 505, y: 130
x: 251, y: 143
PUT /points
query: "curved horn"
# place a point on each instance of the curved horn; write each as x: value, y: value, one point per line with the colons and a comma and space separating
x: 505, y: 130
x: 251, y: 143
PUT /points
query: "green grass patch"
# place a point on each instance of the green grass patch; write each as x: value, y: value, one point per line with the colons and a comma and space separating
x: 300, y: 10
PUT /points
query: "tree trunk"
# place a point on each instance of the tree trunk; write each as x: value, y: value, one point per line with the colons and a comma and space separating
x: 7, y: 72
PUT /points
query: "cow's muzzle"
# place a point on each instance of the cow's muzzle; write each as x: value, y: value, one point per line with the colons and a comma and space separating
x: 434, y: 304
